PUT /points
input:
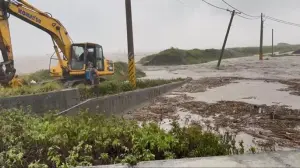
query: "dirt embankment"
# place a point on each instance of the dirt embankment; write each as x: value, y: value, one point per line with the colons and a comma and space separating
x: 175, y: 56
x: 271, y: 124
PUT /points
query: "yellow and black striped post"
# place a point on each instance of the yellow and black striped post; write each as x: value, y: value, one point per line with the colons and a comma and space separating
x: 131, y: 70
x: 131, y: 62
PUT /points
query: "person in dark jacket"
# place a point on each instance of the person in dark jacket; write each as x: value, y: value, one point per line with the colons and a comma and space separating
x: 92, y: 73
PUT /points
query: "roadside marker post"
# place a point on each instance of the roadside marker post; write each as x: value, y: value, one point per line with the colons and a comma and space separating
x: 131, y: 62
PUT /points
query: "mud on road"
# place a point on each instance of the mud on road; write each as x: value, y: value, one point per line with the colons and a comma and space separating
x: 270, y: 125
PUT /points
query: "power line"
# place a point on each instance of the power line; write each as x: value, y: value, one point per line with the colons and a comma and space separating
x: 239, y: 12
x: 216, y: 6
x: 246, y: 17
x: 282, y: 21
x: 181, y: 2
x: 256, y: 17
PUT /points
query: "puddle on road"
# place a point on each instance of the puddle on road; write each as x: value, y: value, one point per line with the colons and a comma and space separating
x: 250, y: 91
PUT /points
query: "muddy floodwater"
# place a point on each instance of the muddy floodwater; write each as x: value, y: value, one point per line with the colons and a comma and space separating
x: 247, y: 67
x: 258, y: 101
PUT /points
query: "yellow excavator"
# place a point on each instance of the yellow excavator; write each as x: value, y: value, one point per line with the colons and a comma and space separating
x: 74, y: 59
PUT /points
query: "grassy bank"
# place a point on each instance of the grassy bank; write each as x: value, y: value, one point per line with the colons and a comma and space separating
x: 174, y: 56
x: 104, y: 88
x: 113, y: 87
x: 113, y: 84
x: 121, y: 73
x: 50, y: 141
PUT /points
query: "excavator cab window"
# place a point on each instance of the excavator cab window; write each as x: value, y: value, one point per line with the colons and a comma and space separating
x: 77, y: 61
x: 82, y: 54
x: 99, y: 58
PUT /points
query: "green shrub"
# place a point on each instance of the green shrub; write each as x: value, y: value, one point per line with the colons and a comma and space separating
x: 38, y: 76
x: 104, y: 88
x: 113, y: 87
x: 33, y: 89
x: 121, y: 72
x: 86, y: 139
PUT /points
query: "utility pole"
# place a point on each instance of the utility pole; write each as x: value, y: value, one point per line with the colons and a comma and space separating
x: 272, y: 43
x: 261, y: 38
x: 225, y: 40
x: 131, y: 62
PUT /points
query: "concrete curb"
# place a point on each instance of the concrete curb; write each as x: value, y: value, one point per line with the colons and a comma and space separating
x: 68, y: 101
x: 272, y: 159
x: 119, y: 103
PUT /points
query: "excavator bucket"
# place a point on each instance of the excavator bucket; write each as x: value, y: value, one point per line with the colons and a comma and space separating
x: 7, y: 75
x: 7, y: 78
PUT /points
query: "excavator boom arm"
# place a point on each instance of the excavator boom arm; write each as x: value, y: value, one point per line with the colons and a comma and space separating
x: 26, y: 12
x: 44, y: 21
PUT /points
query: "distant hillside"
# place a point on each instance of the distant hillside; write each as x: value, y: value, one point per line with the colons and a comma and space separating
x: 283, y: 44
x: 175, y: 56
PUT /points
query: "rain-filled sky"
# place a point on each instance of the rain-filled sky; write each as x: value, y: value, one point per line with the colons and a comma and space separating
x: 157, y: 24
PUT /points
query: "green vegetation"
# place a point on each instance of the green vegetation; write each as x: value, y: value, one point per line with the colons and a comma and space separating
x: 30, y: 89
x: 38, y: 76
x: 114, y: 87
x: 104, y: 88
x: 114, y: 84
x: 281, y: 48
x: 33, y: 141
x: 174, y: 56
x: 121, y: 73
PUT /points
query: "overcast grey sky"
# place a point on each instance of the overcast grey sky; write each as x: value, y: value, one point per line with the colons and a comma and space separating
x: 157, y: 24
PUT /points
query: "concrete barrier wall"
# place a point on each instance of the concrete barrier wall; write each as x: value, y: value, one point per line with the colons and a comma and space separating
x: 116, y: 104
x: 41, y: 103
x: 68, y: 101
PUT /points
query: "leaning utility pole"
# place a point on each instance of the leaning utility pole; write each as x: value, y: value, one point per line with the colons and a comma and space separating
x: 272, y: 43
x: 261, y: 37
x: 131, y: 62
x: 225, y: 40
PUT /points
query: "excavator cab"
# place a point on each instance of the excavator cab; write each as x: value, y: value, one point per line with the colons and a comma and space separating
x: 81, y: 55
x: 84, y: 53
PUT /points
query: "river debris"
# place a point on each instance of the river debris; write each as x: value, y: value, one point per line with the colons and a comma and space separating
x: 273, y: 124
